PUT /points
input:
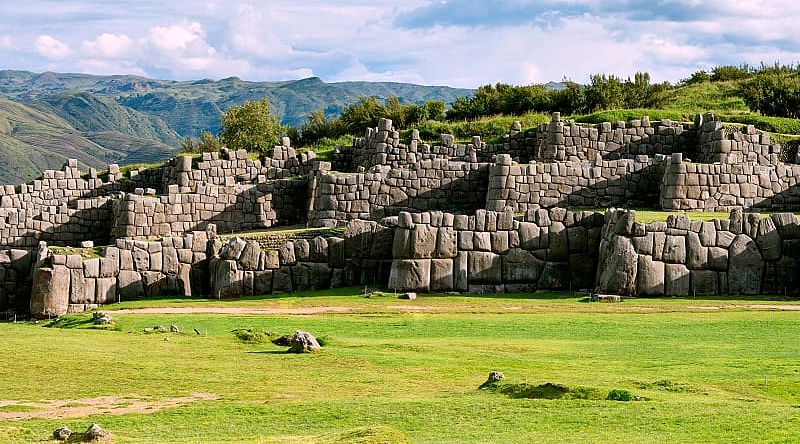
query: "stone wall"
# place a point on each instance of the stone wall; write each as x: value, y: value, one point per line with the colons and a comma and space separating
x: 62, y: 208
x: 15, y: 279
x: 574, y: 183
x: 226, y: 168
x: 560, y: 141
x: 238, y: 207
x: 492, y: 252
x: 734, y: 145
x: 201, y: 263
x: 429, y: 185
x: 722, y: 187
x: 747, y: 254
x: 382, y: 146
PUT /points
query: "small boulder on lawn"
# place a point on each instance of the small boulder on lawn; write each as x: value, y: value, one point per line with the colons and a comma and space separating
x: 494, y: 377
x: 96, y: 433
x: 410, y: 296
x: 303, y: 342
x: 102, y: 318
x: 62, y: 433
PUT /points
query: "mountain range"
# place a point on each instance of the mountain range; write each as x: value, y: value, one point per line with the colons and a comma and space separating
x: 46, y: 118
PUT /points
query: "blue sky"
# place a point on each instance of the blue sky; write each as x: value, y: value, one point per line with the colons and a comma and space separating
x: 458, y: 43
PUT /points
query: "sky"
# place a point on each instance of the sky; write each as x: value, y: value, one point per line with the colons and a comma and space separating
x: 464, y: 43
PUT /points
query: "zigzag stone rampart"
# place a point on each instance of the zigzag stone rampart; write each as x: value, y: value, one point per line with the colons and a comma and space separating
x: 451, y: 216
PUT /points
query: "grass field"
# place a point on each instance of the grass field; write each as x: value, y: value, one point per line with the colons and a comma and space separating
x: 710, y: 370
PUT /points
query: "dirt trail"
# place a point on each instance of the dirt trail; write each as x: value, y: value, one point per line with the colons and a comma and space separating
x: 789, y: 307
x: 102, y: 405
x: 267, y: 311
x: 233, y: 310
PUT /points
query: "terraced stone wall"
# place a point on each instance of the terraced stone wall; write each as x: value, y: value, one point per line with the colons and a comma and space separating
x: 493, y: 252
x: 561, y: 141
x: 723, y: 187
x: 748, y: 254
x: 632, y: 182
x: 437, y: 184
x: 202, y: 264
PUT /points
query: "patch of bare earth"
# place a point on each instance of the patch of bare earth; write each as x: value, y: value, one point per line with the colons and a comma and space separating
x: 105, y: 405
x: 264, y: 311
x: 786, y: 307
x: 234, y: 310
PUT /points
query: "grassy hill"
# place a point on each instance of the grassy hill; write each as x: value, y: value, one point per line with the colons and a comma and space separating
x: 92, y: 112
x: 33, y: 139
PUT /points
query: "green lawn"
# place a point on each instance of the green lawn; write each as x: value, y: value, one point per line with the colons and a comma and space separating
x: 715, y: 370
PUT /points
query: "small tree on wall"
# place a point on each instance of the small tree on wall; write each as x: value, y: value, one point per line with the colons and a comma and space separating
x: 251, y: 126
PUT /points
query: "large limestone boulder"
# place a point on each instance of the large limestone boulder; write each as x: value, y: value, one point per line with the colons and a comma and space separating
x: 441, y: 275
x: 50, y: 293
x: 311, y: 276
x: 250, y: 255
x: 696, y: 253
x: 484, y: 268
x: 649, y: 277
x: 745, y: 266
x: 130, y: 285
x: 410, y: 275
x: 675, y: 249
x: 423, y: 241
x: 554, y: 276
x: 618, y: 267
x: 769, y: 240
x: 520, y: 266
x: 227, y: 280
x: 303, y: 342
x: 582, y: 270
x: 676, y: 279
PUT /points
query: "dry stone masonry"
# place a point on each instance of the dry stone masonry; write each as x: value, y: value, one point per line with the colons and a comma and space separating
x: 411, y: 215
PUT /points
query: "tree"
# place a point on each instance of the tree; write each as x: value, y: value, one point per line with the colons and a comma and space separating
x: 773, y: 94
x: 251, y: 126
x: 207, y: 142
x: 362, y: 114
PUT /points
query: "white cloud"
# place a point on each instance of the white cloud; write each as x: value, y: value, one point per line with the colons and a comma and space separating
x: 368, y: 40
x: 110, y: 46
x: 52, y: 48
x: 184, y: 38
x: 109, y: 67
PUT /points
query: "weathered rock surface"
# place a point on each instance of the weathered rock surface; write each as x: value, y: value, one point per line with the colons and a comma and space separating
x: 303, y: 342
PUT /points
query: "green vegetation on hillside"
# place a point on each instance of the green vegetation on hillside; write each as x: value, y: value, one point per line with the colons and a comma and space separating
x: 33, y: 139
x: 703, y: 370
x: 94, y: 113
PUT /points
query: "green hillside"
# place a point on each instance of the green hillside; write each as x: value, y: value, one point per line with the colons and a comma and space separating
x: 92, y: 112
x: 33, y: 139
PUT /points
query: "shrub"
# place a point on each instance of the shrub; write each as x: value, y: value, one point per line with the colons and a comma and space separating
x: 619, y: 395
x: 773, y: 94
x: 251, y: 126
x: 730, y: 72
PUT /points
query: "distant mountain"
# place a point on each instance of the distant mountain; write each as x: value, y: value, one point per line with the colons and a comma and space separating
x: 48, y: 117
x: 189, y: 107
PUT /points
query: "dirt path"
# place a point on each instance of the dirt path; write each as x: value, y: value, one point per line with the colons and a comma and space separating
x: 267, y: 311
x: 234, y: 310
x: 788, y: 307
x: 418, y: 308
x: 102, y: 405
